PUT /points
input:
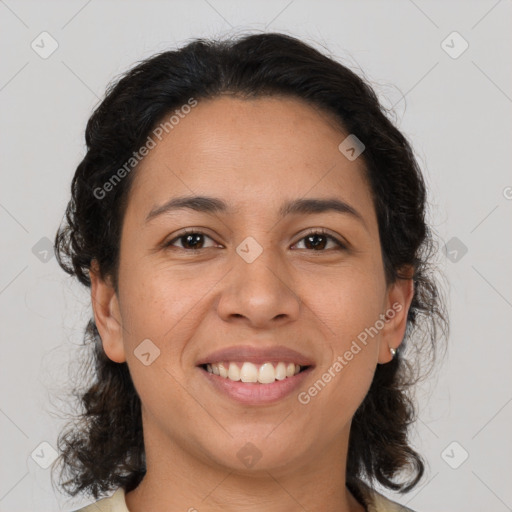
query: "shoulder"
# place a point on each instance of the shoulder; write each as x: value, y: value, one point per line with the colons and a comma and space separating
x: 114, y: 503
x: 376, y: 502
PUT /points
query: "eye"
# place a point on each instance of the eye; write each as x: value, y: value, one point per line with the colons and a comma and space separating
x: 191, y: 239
x: 317, y: 241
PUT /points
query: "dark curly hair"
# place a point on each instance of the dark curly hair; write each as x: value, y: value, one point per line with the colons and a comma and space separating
x: 102, y: 447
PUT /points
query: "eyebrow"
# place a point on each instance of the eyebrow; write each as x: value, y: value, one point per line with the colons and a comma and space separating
x: 213, y: 205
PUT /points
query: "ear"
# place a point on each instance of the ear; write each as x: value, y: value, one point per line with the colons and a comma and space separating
x: 398, y: 301
x: 107, y: 315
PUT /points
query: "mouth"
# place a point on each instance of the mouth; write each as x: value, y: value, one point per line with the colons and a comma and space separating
x: 248, y: 372
x: 254, y: 385
x: 255, y: 374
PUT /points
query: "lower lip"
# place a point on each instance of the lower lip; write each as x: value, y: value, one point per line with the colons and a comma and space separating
x: 254, y: 393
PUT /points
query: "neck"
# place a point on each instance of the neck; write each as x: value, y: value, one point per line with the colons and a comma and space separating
x: 177, y: 480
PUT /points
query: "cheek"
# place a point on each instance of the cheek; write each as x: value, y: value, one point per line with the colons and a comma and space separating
x: 347, y: 301
x: 347, y: 311
x: 157, y: 310
x: 348, y: 306
x: 155, y: 300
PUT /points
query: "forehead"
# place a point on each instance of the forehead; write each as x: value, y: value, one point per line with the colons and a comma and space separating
x: 270, y: 128
x: 243, y: 149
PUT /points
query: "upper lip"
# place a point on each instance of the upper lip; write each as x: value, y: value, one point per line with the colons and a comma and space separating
x: 256, y: 355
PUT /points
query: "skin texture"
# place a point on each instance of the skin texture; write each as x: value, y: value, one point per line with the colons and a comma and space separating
x: 254, y: 154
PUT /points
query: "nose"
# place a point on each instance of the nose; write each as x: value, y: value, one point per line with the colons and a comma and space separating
x: 260, y: 293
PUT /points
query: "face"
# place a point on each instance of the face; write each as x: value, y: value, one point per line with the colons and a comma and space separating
x: 253, y: 278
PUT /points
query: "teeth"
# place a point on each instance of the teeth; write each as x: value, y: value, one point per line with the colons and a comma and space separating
x: 249, y: 372
x: 266, y: 373
x: 234, y: 372
x: 223, y: 371
x: 280, y: 371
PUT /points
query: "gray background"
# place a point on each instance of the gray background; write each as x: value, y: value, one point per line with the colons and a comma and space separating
x: 455, y: 111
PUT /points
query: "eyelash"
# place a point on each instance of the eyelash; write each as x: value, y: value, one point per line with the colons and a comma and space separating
x: 340, y: 245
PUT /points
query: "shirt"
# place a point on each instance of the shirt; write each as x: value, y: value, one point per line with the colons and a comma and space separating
x: 371, y: 499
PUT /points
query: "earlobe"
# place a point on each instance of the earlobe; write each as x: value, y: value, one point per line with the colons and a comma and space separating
x: 107, y: 316
x: 399, y: 298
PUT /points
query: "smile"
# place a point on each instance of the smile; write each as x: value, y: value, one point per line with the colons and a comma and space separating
x: 240, y: 381
x: 266, y: 373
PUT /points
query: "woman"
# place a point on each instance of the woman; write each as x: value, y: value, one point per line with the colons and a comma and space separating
x: 252, y: 229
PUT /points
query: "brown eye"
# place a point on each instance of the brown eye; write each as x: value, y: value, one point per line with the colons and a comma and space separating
x: 190, y: 240
x: 318, y: 240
